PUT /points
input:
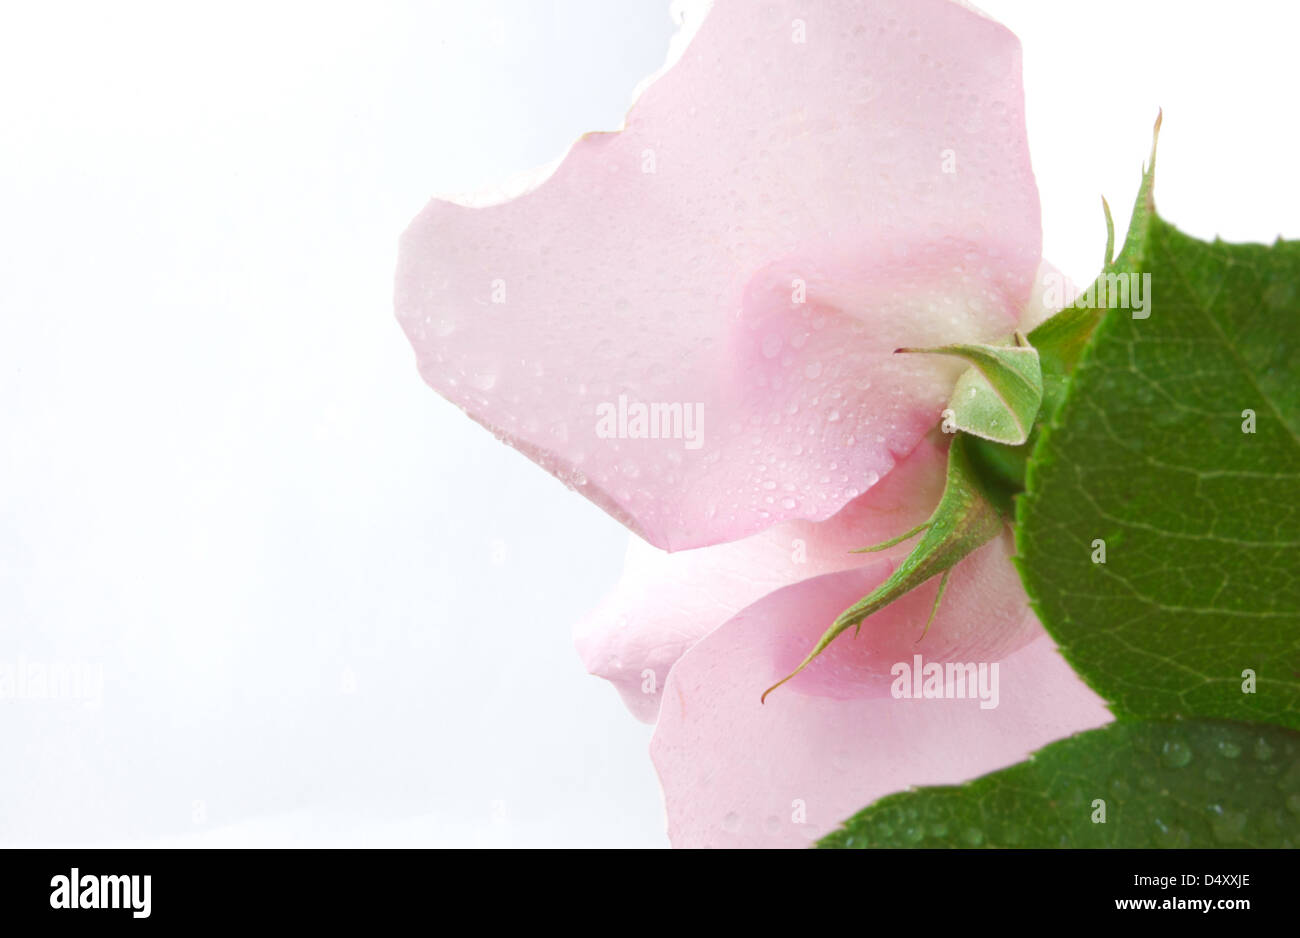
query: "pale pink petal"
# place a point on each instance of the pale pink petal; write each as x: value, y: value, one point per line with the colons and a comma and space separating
x: 808, y: 188
x: 737, y: 773
x: 666, y: 602
x: 1052, y: 290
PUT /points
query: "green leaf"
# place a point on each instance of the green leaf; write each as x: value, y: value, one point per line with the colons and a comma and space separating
x: 1174, y: 457
x: 964, y: 520
x: 1160, y: 784
x: 1157, y: 538
x: 998, y: 397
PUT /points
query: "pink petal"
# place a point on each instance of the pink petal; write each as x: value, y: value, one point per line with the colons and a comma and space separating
x: 737, y: 773
x: 774, y: 163
x: 665, y: 602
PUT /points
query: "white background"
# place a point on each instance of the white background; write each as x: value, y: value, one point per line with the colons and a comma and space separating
x: 328, y: 608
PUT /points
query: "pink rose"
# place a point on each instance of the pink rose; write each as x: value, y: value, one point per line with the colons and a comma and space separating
x: 692, y: 322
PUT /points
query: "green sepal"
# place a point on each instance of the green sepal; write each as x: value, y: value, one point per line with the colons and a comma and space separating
x: 1060, y: 341
x: 964, y: 520
x: 998, y: 397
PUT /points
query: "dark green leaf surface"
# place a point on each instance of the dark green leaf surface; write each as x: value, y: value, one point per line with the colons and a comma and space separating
x: 1200, y: 520
x: 1161, y: 784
